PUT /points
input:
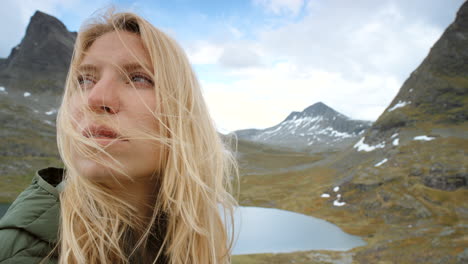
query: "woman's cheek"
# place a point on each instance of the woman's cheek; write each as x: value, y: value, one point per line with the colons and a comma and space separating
x: 76, y: 111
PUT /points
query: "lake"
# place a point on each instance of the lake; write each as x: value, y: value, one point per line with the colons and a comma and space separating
x: 268, y: 230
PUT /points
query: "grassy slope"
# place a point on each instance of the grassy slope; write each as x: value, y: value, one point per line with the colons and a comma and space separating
x: 27, y: 143
x: 402, y: 220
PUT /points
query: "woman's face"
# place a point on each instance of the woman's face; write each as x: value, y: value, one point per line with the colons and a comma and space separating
x: 117, y: 89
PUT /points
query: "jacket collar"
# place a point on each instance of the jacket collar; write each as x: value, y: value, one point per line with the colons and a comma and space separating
x: 37, y: 209
x: 51, y: 179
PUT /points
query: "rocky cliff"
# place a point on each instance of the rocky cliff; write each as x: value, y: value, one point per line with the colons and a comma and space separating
x: 437, y: 91
x: 429, y: 111
x: 40, y: 62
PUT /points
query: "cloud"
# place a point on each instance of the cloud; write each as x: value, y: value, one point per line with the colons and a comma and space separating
x: 239, y: 56
x: 353, y: 42
x: 353, y: 56
x: 281, y: 7
x: 263, y: 97
x: 204, y: 52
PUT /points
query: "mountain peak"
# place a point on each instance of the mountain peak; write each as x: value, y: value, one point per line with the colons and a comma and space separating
x: 40, y: 62
x: 42, y: 23
x: 462, y: 15
x: 40, y: 15
x: 318, y: 105
x: 317, y: 128
x: 320, y: 109
x: 315, y: 110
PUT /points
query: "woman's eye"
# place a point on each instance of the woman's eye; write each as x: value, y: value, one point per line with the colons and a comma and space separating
x: 139, y: 78
x: 86, y: 81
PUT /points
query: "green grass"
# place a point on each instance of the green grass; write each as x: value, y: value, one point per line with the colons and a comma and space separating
x: 21, y: 171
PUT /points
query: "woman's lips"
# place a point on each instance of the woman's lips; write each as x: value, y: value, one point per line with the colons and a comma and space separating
x: 106, y: 141
x: 102, y: 135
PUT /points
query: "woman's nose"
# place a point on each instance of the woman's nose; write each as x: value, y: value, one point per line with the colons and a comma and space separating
x: 104, y: 96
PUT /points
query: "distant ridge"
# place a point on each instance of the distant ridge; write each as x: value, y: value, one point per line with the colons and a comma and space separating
x: 317, y: 128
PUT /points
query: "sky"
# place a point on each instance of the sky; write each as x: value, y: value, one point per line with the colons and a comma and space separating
x: 259, y: 60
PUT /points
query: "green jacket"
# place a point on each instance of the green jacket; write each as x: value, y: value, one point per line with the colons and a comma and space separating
x: 28, y: 230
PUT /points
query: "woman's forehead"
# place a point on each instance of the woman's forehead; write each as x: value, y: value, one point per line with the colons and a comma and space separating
x: 119, y: 48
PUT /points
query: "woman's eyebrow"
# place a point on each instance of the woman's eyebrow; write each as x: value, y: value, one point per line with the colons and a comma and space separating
x: 129, y: 67
x: 87, y: 68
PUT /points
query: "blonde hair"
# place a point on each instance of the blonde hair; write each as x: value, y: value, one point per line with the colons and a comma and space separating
x: 194, y: 183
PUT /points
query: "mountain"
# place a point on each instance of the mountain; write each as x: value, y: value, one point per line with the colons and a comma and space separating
x: 317, y: 128
x: 430, y: 111
x: 31, y: 82
x: 436, y: 93
x: 40, y: 62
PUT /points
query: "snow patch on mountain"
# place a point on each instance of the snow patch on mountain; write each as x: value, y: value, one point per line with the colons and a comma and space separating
x: 361, y: 146
x: 381, y: 162
x: 51, y: 112
x: 399, y: 105
x: 424, y: 138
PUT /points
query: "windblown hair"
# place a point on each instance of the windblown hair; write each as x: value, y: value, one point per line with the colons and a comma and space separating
x: 192, y: 212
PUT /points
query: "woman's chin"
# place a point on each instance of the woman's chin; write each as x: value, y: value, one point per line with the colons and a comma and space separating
x: 98, y: 172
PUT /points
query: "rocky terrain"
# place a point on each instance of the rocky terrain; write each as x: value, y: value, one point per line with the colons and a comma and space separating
x: 316, y: 129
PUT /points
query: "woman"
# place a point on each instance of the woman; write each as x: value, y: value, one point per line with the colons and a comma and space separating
x: 146, y: 171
